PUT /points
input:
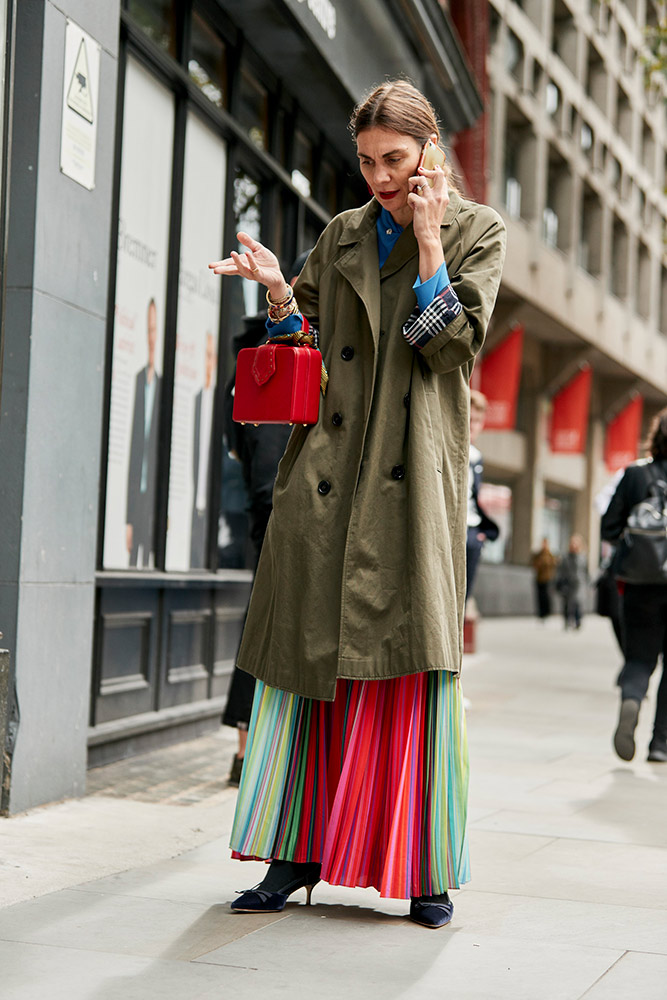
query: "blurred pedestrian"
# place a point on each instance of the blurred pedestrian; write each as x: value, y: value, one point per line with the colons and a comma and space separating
x: 259, y: 450
x: 481, y: 528
x: 572, y: 581
x: 644, y: 604
x: 607, y: 596
x: 356, y: 769
x: 544, y: 565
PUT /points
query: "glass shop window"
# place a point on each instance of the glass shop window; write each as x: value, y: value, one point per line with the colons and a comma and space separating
x: 312, y: 231
x: 139, y: 322
x: 158, y: 19
x: 196, y: 362
x: 253, y: 108
x: 207, y: 62
x: 329, y: 187
x: 245, y: 329
x: 302, y: 168
x: 497, y: 503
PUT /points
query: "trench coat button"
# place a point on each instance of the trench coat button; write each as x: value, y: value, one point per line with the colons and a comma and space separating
x: 398, y: 472
x: 337, y: 419
x: 323, y: 487
x: 347, y: 353
x: 406, y: 399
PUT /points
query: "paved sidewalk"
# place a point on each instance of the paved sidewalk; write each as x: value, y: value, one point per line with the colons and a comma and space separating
x: 124, y: 894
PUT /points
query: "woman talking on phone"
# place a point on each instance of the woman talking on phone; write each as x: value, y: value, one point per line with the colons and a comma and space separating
x: 356, y: 770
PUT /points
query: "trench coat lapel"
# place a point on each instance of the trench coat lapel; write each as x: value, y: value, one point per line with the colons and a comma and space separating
x: 360, y: 264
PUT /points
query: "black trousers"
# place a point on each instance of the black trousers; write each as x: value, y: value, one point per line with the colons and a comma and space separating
x: 543, y: 599
x: 473, y: 552
x: 645, y: 638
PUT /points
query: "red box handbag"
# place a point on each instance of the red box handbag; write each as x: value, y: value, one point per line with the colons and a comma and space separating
x: 278, y: 383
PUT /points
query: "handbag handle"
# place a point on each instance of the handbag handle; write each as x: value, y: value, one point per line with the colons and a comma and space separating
x: 302, y: 339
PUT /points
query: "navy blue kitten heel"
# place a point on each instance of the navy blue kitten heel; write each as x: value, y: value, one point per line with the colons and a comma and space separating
x: 431, y: 911
x: 282, y: 879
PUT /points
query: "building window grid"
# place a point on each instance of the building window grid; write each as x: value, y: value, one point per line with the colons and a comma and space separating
x: 653, y: 217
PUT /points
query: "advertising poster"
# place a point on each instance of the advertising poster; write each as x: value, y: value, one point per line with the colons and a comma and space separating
x: 139, y: 317
x: 199, y: 293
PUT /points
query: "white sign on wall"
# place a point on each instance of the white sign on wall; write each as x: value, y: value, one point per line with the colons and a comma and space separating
x: 78, y: 138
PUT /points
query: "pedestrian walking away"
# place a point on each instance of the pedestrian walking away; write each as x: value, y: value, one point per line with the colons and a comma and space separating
x: 259, y: 450
x: 572, y: 581
x: 644, y: 596
x: 356, y: 768
x: 544, y: 564
x: 481, y: 528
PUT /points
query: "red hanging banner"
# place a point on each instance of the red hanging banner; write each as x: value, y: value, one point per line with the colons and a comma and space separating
x: 621, y: 444
x: 499, y: 381
x: 569, y: 414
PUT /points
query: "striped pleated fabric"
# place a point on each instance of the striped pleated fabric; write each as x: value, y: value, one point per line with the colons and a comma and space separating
x: 374, y: 784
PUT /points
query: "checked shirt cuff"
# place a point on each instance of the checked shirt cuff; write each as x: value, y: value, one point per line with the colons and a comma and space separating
x: 421, y: 327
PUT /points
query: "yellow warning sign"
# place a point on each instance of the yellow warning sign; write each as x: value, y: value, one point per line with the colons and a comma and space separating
x: 79, y: 97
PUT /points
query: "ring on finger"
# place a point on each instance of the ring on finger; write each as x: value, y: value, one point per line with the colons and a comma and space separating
x: 254, y: 270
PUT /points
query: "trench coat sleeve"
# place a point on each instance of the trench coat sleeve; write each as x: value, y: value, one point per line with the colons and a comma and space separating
x: 476, y: 284
x: 306, y: 289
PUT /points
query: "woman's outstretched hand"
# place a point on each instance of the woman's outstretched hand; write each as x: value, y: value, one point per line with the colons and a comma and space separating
x: 258, y: 264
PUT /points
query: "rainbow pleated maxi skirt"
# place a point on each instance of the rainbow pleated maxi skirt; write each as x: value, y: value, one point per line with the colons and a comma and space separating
x: 373, y: 785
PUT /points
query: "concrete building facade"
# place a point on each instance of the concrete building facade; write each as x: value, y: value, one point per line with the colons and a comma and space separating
x: 577, y: 165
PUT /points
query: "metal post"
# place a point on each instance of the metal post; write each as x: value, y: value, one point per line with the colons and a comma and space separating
x: 4, y: 713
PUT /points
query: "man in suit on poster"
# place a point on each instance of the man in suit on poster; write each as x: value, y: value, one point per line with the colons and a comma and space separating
x: 142, y: 472
x: 201, y: 456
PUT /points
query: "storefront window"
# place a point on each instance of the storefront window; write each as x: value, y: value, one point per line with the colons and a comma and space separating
x: 312, y: 230
x: 207, y: 64
x: 158, y: 20
x: 196, y: 364
x: 244, y: 305
x: 496, y: 501
x: 329, y: 187
x: 282, y: 136
x: 139, y: 318
x: 557, y: 522
x: 247, y: 218
x: 253, y: 108
x: 302, y: 169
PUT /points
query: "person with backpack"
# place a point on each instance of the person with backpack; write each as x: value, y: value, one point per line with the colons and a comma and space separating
x: 636, y: 521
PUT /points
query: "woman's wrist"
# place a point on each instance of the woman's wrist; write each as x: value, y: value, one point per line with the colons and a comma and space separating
x: 279, y: 291
x: 431, y: 259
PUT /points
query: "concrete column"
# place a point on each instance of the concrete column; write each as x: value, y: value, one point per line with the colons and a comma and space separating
x: 52, y: 395
x: 541, y: 444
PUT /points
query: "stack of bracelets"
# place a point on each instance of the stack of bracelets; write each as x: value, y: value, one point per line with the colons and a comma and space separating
x: 278, y: 311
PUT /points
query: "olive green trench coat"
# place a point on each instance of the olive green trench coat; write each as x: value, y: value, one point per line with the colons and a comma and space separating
x: 362, y: 571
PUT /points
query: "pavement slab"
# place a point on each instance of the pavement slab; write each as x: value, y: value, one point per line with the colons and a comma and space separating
x: 124, y: 895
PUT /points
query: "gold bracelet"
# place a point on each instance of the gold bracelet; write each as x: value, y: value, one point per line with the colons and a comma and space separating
x: 280, y: 302
x: 278, y: 313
